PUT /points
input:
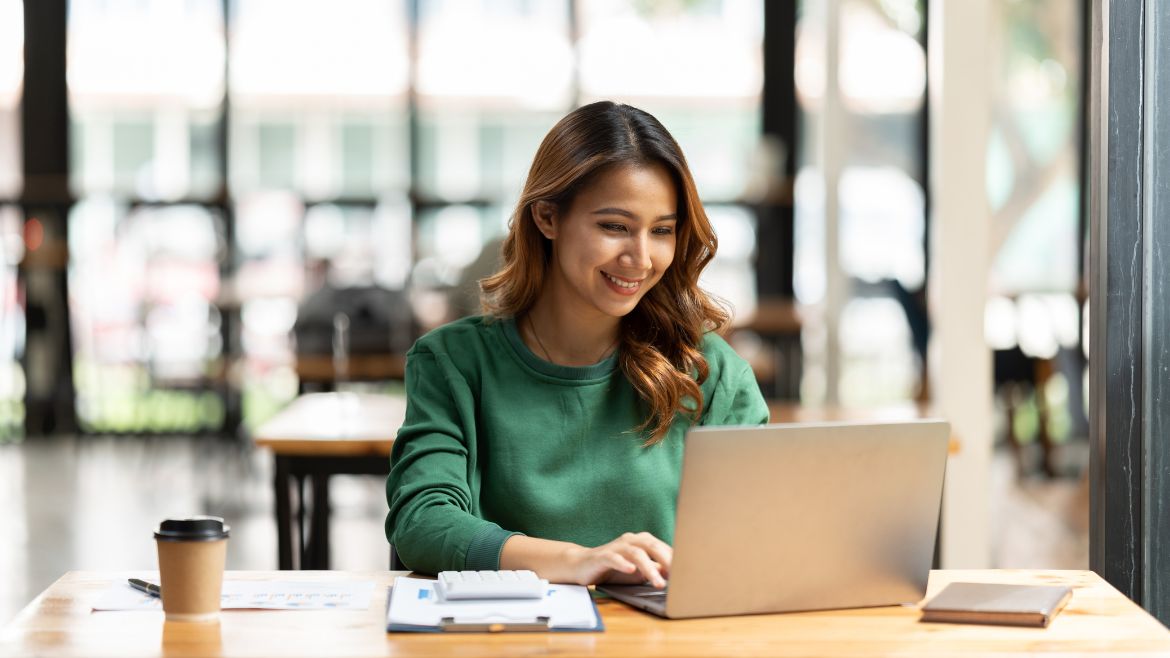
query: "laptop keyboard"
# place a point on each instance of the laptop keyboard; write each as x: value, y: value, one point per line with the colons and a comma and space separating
x: 652, y: 592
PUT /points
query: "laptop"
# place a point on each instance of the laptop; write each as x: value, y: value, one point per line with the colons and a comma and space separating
x: 779, y: 518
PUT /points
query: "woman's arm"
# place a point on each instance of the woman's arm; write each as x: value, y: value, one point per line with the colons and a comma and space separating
x: 431, y: 519
x: 631, y: 558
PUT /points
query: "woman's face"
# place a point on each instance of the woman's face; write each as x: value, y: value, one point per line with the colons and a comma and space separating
x: 614, y: 242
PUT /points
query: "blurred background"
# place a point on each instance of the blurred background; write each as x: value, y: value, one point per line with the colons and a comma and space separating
x: 220, y: 205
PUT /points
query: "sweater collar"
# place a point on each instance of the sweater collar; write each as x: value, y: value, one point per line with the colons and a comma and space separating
x: 576, y: 373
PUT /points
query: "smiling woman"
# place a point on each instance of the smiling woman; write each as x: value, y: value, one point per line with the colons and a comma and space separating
x: 539, y: 432
x: 605, y: 156
x: 609, y: 248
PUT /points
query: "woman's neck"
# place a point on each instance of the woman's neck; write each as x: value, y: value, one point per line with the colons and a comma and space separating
x: 565, y: 337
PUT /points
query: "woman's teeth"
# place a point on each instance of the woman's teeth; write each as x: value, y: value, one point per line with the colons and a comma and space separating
x: 623, y: 284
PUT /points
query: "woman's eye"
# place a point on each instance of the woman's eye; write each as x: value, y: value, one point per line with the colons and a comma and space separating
x: 616, y: 228
x: 664, y: 230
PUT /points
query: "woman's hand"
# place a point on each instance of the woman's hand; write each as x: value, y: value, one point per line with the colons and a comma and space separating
x: 632, y: 558
x: 629, y: 559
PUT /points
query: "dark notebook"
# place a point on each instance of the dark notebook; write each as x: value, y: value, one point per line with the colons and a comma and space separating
x: 983, y: 603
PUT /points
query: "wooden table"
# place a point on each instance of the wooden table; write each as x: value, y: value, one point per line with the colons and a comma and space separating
x: 1098, y: 621
x: 316, y: 436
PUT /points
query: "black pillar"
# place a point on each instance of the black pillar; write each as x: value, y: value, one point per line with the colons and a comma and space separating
x: 231, y: 326
x: 774, y: 232
x: 48, y: 354
x: 1129, y: 269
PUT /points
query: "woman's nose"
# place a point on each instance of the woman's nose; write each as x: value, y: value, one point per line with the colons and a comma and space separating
x: 637, y: 253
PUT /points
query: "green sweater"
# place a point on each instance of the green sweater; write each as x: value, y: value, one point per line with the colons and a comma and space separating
x: 497, y: 442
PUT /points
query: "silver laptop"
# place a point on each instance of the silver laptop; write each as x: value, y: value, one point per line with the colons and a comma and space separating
x: 780, y: 518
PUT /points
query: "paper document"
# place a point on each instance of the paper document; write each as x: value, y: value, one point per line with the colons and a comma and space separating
x: 414, y: 603
x: 255, y: 594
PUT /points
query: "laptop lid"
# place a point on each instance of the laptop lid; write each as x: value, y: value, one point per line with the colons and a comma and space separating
x: 806, y: 516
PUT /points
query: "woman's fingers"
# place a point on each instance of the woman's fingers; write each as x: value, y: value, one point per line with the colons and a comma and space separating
x: 630, y: 558
x: 648, y: 567
x: 618, y: 562
x: 659, y: 551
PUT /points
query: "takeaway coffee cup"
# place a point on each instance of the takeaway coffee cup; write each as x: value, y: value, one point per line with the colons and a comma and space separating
x: 191, y: 554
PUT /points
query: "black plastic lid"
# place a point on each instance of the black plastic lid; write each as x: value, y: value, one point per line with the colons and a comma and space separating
x: 195, y: 528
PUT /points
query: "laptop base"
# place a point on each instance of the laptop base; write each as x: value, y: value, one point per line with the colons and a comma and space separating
x: 643, y: 597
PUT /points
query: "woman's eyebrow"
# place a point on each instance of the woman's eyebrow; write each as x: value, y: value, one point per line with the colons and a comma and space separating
x: 626, y: 213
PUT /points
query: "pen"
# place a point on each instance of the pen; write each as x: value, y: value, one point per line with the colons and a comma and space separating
x: 143, y: 586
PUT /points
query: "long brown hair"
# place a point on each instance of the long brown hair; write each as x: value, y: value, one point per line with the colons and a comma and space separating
x: 660, y: 338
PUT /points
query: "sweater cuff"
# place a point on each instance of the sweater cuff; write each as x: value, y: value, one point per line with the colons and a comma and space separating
x: 483, y: 553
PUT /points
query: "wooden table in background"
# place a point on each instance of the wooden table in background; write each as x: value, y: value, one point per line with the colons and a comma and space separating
x: 320, y: 370
x: 316, y: 436
x: 794, y: 412
x: 1098, y: 621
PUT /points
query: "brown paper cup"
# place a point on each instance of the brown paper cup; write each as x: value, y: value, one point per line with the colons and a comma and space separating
x: 192, y: 578
x: 185, y: 640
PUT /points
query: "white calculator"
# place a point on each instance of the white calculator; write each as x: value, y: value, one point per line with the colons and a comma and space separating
x: 463, y: 585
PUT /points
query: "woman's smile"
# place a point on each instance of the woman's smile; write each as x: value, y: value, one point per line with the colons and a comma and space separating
x: 622, y: 286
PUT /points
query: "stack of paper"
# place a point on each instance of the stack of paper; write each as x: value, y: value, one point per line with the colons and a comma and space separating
x: 414, y: 605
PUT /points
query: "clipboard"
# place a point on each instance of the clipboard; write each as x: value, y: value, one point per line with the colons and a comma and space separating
x: 413, y: 607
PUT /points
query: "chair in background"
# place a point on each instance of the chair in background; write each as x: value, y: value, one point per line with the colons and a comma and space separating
x: 352, y: 334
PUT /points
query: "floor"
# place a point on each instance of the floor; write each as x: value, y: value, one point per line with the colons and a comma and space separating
x: 92, y: 503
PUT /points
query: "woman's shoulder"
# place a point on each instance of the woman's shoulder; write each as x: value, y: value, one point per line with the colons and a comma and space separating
x: 719, y: 354
x: 731, y: 394
x: 725, y: 367
x: 469, y: 334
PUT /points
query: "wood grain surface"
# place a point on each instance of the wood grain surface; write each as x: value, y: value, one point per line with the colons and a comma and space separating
x: 335, y: 425
x: 1098, y: 621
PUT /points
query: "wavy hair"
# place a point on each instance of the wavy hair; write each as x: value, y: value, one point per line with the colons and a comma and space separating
x: 660, y: 339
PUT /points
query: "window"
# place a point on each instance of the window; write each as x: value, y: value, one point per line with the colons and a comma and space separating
x: 11, y: 81
x: 11, y: 323
x: 481, y: 119
x: 11, y: 219
x: 1033, y: 184
x: 880, y: 251
x: 319, y: 105
x: 644, y: 53
x: 144, y: 281
x: 145, y: 87
x: 363, y: 147
x: 320, y: 168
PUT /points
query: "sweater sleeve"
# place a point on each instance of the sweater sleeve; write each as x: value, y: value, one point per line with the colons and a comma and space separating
x: 432, y: 487
x: 737, y: 399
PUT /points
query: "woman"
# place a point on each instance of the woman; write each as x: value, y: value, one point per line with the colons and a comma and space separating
x: 548, y: 433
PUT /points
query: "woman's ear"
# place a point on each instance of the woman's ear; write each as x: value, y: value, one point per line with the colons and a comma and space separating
x: 544, y: 214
